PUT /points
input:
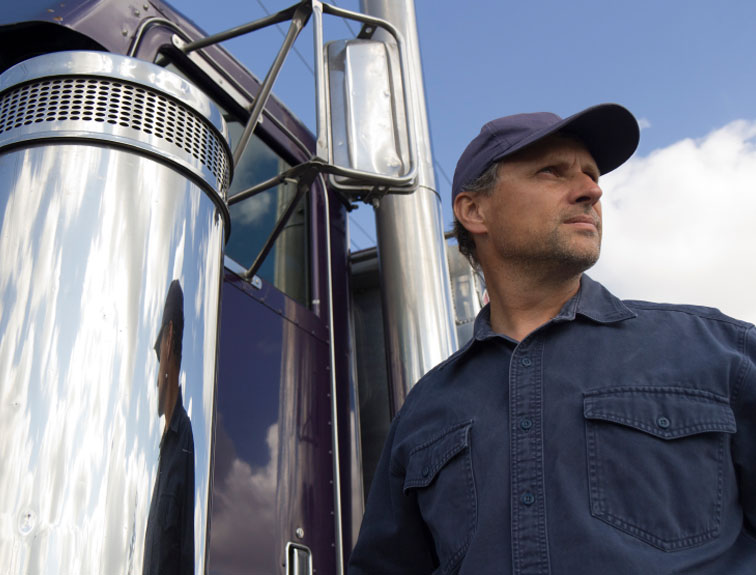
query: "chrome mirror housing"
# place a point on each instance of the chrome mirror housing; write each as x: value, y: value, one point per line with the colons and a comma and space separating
x: 368, y: 131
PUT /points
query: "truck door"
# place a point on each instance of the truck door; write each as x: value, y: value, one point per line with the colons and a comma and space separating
x: 273, y: 492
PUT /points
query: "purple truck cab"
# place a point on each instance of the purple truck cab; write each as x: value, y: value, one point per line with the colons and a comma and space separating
x: 120, y: 174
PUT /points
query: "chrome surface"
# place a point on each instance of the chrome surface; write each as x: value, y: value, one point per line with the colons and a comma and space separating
x: 101, y: 96
x: 338, y: 519
x: 368, y: 124
x: 467, y: 290
x: 354, y: 183
x: 142, y: 30
x: 418, y: 313
x: 91, y: 236
x: 298, y: 559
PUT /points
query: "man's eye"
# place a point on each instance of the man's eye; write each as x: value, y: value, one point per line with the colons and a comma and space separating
x: 548, y: 170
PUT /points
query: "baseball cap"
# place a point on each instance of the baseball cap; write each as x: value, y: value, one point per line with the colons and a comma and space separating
x: 173, y: 311
x: 609, y: 131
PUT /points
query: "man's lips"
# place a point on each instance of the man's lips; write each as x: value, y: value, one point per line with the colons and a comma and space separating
x: 585, y: 221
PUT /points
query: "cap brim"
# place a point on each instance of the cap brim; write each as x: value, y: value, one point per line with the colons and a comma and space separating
x: 609, y: 131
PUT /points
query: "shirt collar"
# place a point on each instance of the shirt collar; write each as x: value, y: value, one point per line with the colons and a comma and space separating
x: 592, y: 301
x: 175, y: 417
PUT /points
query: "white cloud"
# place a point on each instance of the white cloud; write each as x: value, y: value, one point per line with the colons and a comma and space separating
x: 643, y: 123
x: 679, y: 223
x: 244, y: 508
x: 255, y: 209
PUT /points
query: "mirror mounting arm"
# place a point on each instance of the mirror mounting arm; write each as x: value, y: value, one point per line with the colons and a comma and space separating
x: 298, y: 21
x: 303, y: 175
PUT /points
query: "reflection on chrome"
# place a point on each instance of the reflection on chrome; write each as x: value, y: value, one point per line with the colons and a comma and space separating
x: 92, y: 234
x: 169, y: 539
x: 84, y: 265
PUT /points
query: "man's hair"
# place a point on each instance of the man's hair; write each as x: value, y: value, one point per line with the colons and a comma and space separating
x: 483, y: 185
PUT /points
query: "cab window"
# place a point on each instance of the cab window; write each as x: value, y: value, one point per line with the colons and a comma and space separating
x: 252, y: 220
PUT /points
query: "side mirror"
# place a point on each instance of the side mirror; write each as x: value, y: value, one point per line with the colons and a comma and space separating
x: 368, y: 128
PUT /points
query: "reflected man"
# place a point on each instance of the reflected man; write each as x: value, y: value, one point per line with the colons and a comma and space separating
x: 169, y: 540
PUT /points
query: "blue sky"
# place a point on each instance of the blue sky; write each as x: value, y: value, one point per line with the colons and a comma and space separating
x: 686, y: 69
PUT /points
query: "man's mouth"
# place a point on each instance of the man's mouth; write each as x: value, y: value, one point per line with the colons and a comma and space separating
x: 584, y: 221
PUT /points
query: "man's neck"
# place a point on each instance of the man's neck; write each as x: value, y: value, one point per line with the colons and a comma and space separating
x: 521, y: 303
x: 173, y: 393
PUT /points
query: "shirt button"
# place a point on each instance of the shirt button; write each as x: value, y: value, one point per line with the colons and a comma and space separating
x: 526, y: 361
x: 426, y: 471
x: 526, y: 423
x: 663, y: 422
x: 527, y: 499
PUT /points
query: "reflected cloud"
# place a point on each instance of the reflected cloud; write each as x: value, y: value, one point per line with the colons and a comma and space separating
x: 244, y: 508
x: 255, y: 210
x: 83, y: 267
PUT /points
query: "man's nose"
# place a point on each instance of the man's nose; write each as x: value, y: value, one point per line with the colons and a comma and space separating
x: 586, y: 190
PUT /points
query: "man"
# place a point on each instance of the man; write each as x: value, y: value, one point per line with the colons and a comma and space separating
x: 169, y: 539
x: 575, y: 434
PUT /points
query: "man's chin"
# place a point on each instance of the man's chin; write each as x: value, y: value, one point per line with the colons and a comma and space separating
x: 576, y: 262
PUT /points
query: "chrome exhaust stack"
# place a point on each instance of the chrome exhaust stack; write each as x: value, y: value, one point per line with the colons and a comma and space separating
x: 113, y: 174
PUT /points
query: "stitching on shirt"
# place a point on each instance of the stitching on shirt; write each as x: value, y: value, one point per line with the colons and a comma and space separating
x: 745, y: 365
x: 695, y: 311
x: 598, y: 505
x: 460, y: 444
x: 457, y: 556
x: 703, y: 426
x: 688, y: 393
x: 440, y: 435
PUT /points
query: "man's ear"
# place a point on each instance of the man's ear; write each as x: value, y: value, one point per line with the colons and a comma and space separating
x: 467, y: 209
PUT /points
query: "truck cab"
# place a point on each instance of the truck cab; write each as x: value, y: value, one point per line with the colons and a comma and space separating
x: 302, y: 400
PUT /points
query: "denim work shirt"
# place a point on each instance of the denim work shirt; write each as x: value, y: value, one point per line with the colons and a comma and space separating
x: 620, y: 437
x: 169, y: 538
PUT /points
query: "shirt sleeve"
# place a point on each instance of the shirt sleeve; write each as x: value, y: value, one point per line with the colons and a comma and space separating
x: 744, y: 443
x: 393, y: 537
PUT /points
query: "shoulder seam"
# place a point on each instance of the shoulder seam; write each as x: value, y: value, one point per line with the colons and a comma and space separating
x: 702, y: 312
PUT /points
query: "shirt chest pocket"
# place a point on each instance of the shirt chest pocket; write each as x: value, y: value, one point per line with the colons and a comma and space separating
x: 439, y: 474
x: 656, y: 462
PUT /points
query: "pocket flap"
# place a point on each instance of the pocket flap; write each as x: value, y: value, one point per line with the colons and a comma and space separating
x: 428, y: 458
x: 665, y: 412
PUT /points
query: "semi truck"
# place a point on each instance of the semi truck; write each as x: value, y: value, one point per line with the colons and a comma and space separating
x: 139, y: 160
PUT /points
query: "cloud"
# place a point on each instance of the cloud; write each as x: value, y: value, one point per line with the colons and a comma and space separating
x: 643, y: 123
x: 254, y: 210
x: 244, y: 507
x: 679, y: 223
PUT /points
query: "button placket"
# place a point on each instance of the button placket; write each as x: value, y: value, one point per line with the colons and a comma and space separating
x: 529, y: 547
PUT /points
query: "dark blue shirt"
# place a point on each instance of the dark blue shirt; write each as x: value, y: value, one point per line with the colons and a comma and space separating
x: 169, y: 538
x: 620, y: 437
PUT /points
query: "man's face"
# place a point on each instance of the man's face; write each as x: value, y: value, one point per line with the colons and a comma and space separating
x: 163, y: 352
x: 544, y: 209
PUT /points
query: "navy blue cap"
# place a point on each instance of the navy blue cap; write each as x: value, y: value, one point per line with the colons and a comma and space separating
x: 609, y: 131
x: 173, y: 311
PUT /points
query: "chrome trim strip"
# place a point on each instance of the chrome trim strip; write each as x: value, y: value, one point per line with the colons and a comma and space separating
x: 338, y: 522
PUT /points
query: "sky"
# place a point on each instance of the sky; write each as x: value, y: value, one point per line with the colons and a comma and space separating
x: 678, y: 217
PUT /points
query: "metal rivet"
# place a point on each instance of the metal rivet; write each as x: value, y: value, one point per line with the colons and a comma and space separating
x: 27, y: 520
x: 300, y: 532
